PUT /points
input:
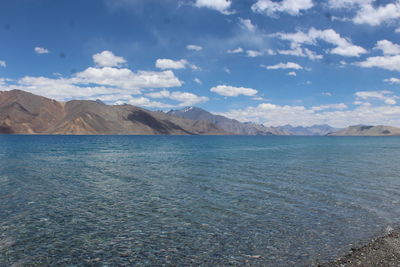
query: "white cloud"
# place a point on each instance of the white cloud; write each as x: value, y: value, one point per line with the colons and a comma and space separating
x: 348, y: 3
x: 392, y: 80
x: 374, y: 16
x: 235, y: 51
x: 41, y: 50
x: 387, y: 47
x: 247, y: 24
x: 254, y: 53
x: 222, y: 6
x: 344, y: 47
x: 288, y: 65
x: 226, y: 90
x: 271, y: 8
x: 339, y: 106
x: 277, y: 115
x: 326, y: 94
x: 126, y: 79
x: 362, y: 103
x: 145, y: 102
x: 136, y: 101
x: 3, y: 63
x: 227, y: 70
x: 384, y: 62
x: 301, y: 52
x: 368, y: 12
x: 95, y: 82
x: 386, y: 96
x: 185, y: 98
x: 197, y: 80
x: 292, y: 73
x: 397, y: 30
x: 108, y: 59
x: 270, y: 52
x: 164, y: 64
x: 194, y: 47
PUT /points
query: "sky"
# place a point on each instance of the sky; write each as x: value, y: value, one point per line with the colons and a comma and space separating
x: 299, y: 62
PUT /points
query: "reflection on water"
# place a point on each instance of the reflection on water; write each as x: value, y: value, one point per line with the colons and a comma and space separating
x: 192, y: 200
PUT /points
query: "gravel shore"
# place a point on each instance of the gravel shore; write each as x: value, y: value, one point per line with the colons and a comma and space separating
x: 383, y: 251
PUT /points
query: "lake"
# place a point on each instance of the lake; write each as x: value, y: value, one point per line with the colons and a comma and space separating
x: 193, y: 200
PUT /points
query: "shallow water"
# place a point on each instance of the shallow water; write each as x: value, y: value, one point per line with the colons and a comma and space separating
x: 193, y: 200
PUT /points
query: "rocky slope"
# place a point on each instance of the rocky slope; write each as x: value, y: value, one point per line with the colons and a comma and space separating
x: 25, y: 113
x: 229, y: 125
x: 363, y: 130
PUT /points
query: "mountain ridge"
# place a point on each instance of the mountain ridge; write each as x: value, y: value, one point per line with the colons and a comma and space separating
x: 229, y: 125
x: 367, y: 130
x: 25, y: 113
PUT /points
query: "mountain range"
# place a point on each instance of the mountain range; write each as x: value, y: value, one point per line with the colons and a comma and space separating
x: 315, y: 130
x: 25, y: 113
x: 367, y: 130
x: 228, y: 125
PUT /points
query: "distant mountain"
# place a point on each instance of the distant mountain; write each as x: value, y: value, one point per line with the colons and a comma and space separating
x: 25, y: 113
x: 226, y: 124
x: 364, y: 130
x: 314, y: 130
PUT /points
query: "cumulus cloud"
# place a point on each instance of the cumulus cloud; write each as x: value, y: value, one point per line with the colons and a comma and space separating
x: 194, y: 47
x: 301, y: 52
x: 384, y: 62
x: 348, y: 3
x: 235, y: 51
x: 197, y: 80
x: 386, y: 96
x: 272, y: 8
x: 344, y: 46
x: 222, y: 6
x: 41, y: 50
x: 136, y: 101
x: 185, y: 98
x: 288, y: 65
x: 392, y: 80
x: 108, y: 59
x: 254, y: 53
x: 369, y: 14
x: 387, y: 47
x: 278, y: 115
x: 3, y: 63
x: 107, y: 83
x: 292, y: 73
x: 247, y: 24
x: 339, y: 106
x: 127, y: 79
x: 226, y: 90
x: 164, y: 64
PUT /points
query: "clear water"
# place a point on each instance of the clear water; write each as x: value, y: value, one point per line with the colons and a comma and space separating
x: 193, y: 200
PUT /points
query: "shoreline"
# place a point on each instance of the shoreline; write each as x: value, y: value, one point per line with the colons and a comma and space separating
x: 381, y: 251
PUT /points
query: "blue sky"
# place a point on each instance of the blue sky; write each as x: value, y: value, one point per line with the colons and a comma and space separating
x: 301, y: 62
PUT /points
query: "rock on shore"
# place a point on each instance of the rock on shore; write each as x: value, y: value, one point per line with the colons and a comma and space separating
x: 383, y: 251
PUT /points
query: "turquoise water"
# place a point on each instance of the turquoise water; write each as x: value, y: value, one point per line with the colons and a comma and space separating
x: 193, y: 200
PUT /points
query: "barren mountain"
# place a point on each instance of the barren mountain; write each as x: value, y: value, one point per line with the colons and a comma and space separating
x: 363, y: 130
x: 229, y: 125
x: 25, y: 113
x: 315, y: 130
